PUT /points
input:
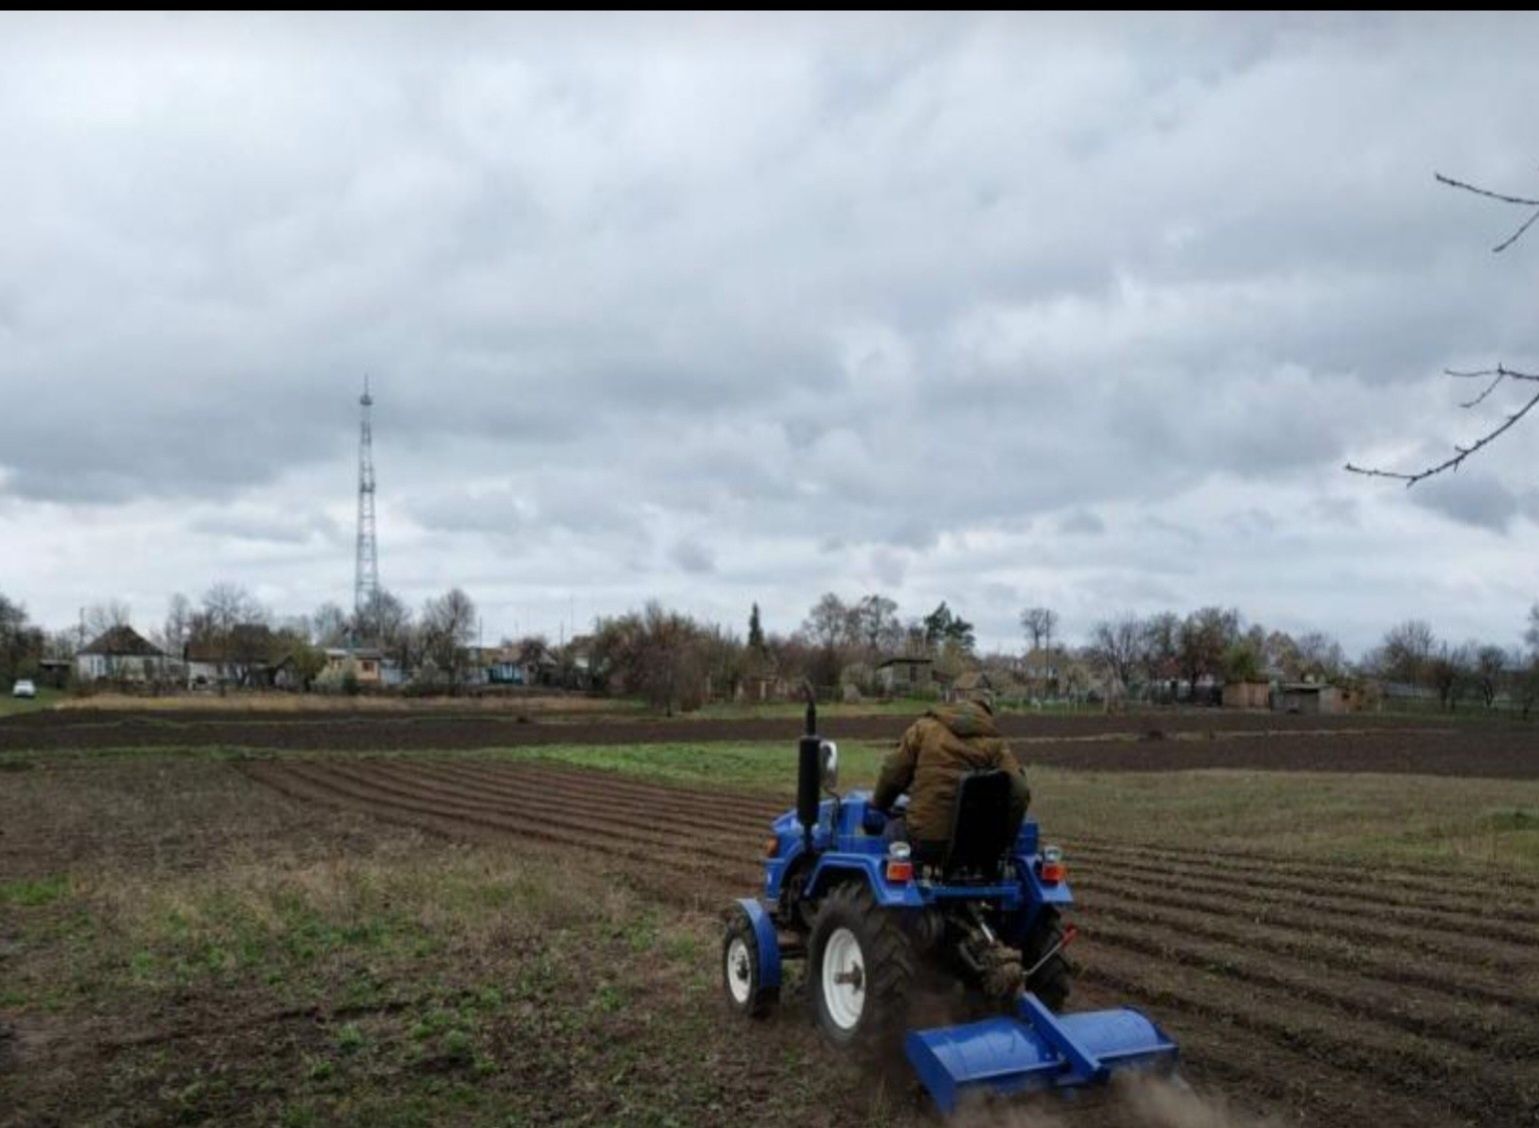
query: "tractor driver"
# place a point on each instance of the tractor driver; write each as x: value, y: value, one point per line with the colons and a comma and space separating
x: 929, y: 762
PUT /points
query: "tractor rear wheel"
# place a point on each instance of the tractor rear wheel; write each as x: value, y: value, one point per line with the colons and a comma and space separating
x: 741, y: 981
x: 860, y: 972
x: 1053, y: 979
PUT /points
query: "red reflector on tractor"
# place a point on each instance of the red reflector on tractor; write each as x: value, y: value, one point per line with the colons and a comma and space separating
x: 1051, y: 869
x: 900, y: 871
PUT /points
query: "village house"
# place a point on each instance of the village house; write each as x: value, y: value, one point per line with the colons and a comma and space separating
x: 121, y: 654
x: 904, y: 676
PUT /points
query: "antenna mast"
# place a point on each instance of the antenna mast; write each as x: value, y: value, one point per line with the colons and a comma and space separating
x: 366, y: 573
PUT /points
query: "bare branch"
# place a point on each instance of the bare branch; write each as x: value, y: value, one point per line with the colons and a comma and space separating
x: 1522, y: 201
x: 1461, y: 452
x: 1452, y: 183
x: 1491, y: 387
x: 1500, y: 370
x: 1516, y: 235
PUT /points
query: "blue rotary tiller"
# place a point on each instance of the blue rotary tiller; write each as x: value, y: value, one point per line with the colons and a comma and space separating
x: 875, y: 923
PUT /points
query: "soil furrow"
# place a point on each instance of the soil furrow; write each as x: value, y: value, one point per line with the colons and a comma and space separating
x: 1386, y: 965
x: 1490, y: 1027
x: 1477, y: 904
x: 1426, y: 879
x: 1326, y: 903
x: 1457, y: 947
x: 517, y: 816
x: 1489, y: 1092
x: 658, y: 804
x: 580, y: 837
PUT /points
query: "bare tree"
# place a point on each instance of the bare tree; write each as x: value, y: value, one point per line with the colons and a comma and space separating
x: 875, y: 624
x: 1407, y: 652
x: 103, y: 617
x: 1162, y: 644
x: 1493, y: 378
x: 827, y: 622
x: 1202, y: 640
x: 1490, y: 670
x: 448, y: 625
x: 1531, y: 635
x: 1450, y: 671
x: 1039, y: 623
x: 1118, y: 644
x: 227, y: 605
x: 1320, y: 656
x: 384, y: 622
x: 177, y: 628
x: 329, y: 626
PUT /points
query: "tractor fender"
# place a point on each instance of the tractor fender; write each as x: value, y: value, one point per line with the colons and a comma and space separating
x: 1038, y: 892
x: 766, y: 939
x: 833, y: 868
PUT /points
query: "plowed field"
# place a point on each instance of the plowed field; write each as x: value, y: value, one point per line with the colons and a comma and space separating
x: 1332, y: 994
x: 1154, y: 742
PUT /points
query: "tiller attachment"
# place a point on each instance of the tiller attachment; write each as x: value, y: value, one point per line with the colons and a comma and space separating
x: 1036, y: 1050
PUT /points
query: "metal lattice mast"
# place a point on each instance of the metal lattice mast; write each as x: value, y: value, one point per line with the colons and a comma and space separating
x: 366, y: 574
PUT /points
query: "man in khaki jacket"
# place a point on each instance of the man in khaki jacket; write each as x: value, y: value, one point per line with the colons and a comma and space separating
x: 929, y: 762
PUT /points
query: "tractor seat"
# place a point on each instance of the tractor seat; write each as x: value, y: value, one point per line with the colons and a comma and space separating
x: 982, y: 829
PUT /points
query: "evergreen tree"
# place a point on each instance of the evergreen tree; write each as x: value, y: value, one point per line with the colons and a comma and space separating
x: 755, y: 630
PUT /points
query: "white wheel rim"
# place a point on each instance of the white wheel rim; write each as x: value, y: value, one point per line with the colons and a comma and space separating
x: 739, y: 970
x: 844, y: 979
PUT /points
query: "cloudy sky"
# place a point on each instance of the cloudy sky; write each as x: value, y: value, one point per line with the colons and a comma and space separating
x: 1082, y: 312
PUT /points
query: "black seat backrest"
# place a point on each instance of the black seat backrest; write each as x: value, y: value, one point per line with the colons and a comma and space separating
x: 982, y: 827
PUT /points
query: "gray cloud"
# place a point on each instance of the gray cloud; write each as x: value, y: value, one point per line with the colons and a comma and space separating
x: 1081, y: 522
x: 693, y: 558
x: 1471, y: 498
x: 741, y: 307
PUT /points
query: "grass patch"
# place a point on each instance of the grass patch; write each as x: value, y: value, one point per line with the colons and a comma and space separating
x: 763, y: 767
x: 46, y: 699
x: 1362, y: 817
x: 41, y: 891
x: 1472, y: 823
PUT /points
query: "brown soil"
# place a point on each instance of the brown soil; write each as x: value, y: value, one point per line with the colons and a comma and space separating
x: 1331, y: 993
x: 1198, y: 740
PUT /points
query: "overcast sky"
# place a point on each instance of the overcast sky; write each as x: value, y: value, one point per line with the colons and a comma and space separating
x: 1080, y: 312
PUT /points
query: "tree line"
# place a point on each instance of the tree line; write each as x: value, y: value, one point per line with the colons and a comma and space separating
x: 675, y: 661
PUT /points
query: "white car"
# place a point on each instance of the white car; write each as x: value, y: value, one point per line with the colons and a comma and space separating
x: 24, y: 688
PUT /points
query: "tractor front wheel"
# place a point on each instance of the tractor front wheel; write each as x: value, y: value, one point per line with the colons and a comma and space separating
x: 746, y: 994
x: 860, y: 972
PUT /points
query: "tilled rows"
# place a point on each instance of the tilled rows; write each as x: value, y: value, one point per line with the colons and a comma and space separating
x: 1336, y: 992
x: 1189, y: 740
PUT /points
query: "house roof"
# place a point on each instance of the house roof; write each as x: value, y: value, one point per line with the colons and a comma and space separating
x: 123, y: 642
x: 973, y: 679
x: 904, y: 661
x: 342, y: 653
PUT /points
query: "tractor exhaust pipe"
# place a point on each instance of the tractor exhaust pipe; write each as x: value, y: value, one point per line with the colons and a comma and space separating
x: 809, y: 772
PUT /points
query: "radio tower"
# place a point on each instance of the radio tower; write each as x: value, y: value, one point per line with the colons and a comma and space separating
x: 366, y: 575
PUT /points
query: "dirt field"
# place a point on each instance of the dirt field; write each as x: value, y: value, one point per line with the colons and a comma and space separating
x: 1175, y: 741
x: 488, y: 939
x: 1334, y: 994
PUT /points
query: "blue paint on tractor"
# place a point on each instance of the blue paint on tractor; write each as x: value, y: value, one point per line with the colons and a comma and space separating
x: 1034, y: 1051
x: 764, y: 937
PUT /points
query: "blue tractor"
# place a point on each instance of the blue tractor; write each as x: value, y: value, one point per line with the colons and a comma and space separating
x: 880, y: 927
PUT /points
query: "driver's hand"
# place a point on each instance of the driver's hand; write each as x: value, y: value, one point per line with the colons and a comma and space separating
x: 874, y: 820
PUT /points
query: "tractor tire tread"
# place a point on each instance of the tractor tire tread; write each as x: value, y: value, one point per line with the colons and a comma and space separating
x: 762, y: 1000
x: 891, y: 965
